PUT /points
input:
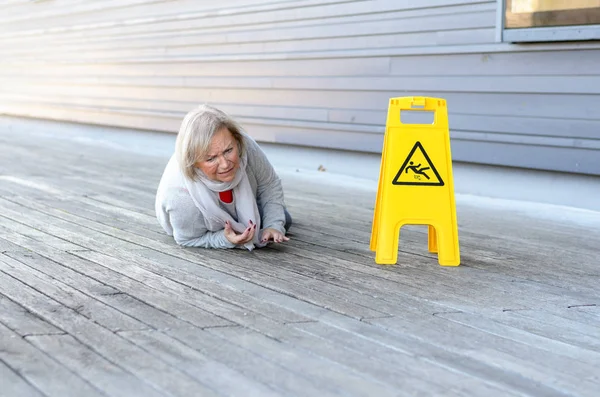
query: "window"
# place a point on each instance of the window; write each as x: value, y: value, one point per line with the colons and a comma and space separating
x: 549, y: 20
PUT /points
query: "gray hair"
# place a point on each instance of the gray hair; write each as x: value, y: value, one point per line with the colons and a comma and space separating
x: 197, y: 130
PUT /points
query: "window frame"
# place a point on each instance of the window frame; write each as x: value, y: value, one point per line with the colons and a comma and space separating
x: 542, y: 34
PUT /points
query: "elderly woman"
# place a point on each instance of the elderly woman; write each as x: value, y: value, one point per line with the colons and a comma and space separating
x: 218, y: 189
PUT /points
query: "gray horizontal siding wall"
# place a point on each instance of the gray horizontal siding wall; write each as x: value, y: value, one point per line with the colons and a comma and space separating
x: 316, y: 73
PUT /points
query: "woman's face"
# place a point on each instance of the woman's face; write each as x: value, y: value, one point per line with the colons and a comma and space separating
x: 222, y: 160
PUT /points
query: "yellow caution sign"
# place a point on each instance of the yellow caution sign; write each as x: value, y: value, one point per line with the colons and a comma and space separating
x: 415, y: 182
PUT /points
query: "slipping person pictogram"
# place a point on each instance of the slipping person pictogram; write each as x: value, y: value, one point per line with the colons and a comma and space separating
x: 414, y: 167
x: 417, y: 170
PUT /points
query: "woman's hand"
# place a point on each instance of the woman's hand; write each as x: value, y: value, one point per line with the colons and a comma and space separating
x: 239, y: 239
x: 273, y: 235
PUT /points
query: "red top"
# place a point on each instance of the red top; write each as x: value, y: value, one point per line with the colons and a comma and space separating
x: 226, y: 196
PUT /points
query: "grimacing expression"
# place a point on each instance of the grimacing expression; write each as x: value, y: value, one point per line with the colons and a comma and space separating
x: 222, y: 159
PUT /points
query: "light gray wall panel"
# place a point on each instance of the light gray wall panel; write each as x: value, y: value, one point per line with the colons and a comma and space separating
x: 305, y: 72
x: 518, y: 155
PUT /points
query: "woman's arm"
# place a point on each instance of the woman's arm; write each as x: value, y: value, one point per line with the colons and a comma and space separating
x: 269, y: 193
x: 189, y: 229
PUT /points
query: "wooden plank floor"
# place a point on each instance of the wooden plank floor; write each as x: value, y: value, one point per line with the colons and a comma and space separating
x: 96, y: 301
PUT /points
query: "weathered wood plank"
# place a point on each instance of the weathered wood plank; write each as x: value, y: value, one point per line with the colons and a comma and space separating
x: 528, y: 361
x: 71, y: 298
x: 62, y: 229
x: 326, y: 375
x: 22, y: 321
x: 390, y: 347
x: 590, y: 311
x: 261, y: 319
x: 377, y: 291
x: 270, y: 276
x: 105, y: 240
x: 420, y: 277
x: 107, y: 214
x: 405, y: 377
x: 101, y: 340
x: 512, y: 235
x: 256, y: 366
x: 121, y: 202
x: 548, y: 325
x: 482, y: 254
x: 412, y: 374
x: 549, y: 343
x: 179, y: 265
x: 420, y: 270
x: 39, y: 370
x: 304, y: 288
x: 41, y: 242
x: 163, y: 311
x: 203, y: 279
x: 89, y: 365
x: 14, y: 231
x: 100, y: 291
x: 14, y: 385
x: 6, y: 246
x: 219, y: 376
x: 113, y: 278
x: 439, y: 286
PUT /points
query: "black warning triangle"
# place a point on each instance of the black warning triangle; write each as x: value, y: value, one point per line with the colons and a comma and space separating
x: 420, y: 175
